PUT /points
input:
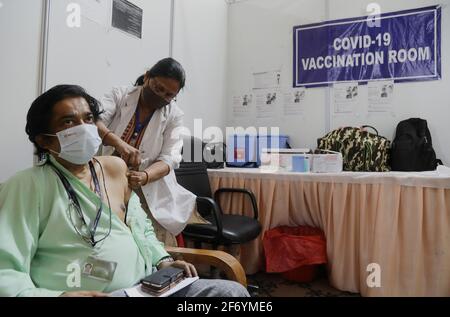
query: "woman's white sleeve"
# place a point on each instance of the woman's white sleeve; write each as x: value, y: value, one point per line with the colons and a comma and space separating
x: 111, y: 103
x: 173, y: 142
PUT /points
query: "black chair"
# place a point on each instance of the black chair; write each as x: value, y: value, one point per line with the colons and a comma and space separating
x: 224, y: 229
x: 212, y: 154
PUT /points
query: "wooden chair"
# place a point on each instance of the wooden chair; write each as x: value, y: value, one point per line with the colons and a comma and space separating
x: 223, y: 261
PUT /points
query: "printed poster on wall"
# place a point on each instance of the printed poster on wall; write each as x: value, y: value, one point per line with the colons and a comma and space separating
x: 267, y: 103
x: 294, y: 101
x: 399, y: 46
x: 346, y: 97
x: 243, y: 105
x: 267, y: 79
x: 381, y: 94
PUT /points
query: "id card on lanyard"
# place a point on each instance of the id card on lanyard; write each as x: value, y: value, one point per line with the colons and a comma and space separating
x: 93, y: 267
x: 98, y: 269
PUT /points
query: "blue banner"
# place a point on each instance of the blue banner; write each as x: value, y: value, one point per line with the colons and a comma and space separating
x: 400, y: 46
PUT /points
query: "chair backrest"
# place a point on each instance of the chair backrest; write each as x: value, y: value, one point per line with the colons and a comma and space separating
x: 194, y: 177
x: 195, y: 150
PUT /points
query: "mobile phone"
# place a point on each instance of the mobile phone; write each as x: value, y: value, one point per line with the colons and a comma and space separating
x: 162, y: 280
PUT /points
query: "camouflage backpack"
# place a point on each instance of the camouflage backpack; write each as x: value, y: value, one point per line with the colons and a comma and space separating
x: 362, y: 151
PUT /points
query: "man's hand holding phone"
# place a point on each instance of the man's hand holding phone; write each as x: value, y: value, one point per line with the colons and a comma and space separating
x: 188, y: 268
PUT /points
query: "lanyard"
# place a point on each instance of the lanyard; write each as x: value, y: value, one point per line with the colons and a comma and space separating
x: 99, y: 193
x: 74, y: 199
x: 138, y: 126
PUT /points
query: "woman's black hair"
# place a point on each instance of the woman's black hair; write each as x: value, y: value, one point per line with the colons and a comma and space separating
x: 168, y: 68
x: 41, y: 110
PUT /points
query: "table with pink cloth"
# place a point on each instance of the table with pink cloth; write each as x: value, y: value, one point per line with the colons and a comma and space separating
x: 399, y: 221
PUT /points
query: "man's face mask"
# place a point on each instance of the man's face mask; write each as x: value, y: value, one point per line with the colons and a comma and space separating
x: 78, y: 144
x: 153, y: 99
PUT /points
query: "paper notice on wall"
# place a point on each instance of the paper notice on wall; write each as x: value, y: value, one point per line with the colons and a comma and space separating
x: 267, y: 79
x: 243, y: 105
x: 381, y: 95
x: 346, y: 97
x: 97, y: 11
x: 127, y: 17
x: 267, y: 104
x: 293, y: 100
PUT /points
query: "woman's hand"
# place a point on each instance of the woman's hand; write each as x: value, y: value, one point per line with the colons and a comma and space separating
x: 137, y: 179
x: 84, y: 294
x: 188, y: 268
x: 129, y: 154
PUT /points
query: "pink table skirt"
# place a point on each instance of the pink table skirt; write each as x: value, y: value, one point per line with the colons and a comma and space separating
x: 404, y: 229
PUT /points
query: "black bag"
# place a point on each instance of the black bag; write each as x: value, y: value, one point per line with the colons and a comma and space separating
x: 412, y: 148
x: 361, y: 150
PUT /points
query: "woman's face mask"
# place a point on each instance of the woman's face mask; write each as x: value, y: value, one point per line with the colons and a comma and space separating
x: 151, y: 98
x: 78, y: 144
x: 153, y: 92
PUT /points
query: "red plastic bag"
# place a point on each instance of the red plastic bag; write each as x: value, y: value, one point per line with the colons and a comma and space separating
x: 289, y: 248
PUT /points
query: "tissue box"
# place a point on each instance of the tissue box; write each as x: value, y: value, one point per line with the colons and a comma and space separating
x: 327, y: 163
x: 290, y: 160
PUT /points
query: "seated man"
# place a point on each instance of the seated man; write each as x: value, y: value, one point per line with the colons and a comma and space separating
x: 71, y: 226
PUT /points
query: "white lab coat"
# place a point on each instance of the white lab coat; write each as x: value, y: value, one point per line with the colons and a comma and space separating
x: 170, y: 204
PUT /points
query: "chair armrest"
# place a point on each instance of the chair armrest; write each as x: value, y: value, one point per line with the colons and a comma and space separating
x: 217, y: 213
x: 241, y: 191
x: 219, y: 259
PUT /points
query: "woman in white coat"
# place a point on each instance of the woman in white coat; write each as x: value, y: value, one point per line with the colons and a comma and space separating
x: 142, y: 124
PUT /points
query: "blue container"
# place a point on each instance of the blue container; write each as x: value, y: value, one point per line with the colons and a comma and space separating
x: 241, y: 151
x: 245, y: 150
x: 300, y: 163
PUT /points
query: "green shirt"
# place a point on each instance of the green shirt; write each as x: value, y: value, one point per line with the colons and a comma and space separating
x: 39, y: 246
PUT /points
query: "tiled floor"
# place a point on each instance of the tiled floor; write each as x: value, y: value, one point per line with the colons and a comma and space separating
x: 273, y: 285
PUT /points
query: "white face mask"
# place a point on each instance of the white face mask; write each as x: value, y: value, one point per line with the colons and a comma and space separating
x: 78, y: 144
